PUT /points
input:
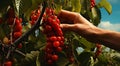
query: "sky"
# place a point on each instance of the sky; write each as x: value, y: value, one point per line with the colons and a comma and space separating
x: 112, y: 21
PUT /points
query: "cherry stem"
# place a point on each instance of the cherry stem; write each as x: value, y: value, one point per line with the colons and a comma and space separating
x: 36, y: 26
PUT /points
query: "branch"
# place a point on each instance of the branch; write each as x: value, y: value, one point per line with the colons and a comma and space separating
x: 25, y: 35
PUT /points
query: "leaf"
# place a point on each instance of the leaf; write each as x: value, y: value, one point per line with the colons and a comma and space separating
x: 32, y: 55
x: 62, y: 61
x: 25, y: 5
x: 85, y: 6
x: 37, y: 61
x: 76, y: 5
x: 96, y: 15
x: 106, y: 5
x: 88, y: 45
x: 84, y: 58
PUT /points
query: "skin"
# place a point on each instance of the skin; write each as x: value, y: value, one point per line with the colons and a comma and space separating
x: 75, y: 22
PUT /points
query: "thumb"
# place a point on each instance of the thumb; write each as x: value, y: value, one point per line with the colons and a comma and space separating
x: 67, y: 26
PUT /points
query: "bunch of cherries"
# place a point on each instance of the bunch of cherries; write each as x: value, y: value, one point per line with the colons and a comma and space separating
x: 54, y: 34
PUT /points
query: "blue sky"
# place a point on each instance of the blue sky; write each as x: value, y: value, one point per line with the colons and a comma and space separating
x: 111, y: 22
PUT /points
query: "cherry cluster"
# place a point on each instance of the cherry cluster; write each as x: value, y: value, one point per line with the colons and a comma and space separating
x: 99, y: 50
x: 92, y: 3
x: 16, y: 25
x: 34, y: 16
x: 54, y: 34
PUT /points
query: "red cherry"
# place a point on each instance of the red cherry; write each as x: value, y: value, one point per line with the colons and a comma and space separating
x: 18, y: 27
x: 61, y: 43
x: 50, y: 62
x: 32, y: 22
x: 59, y: 32
x: 17, y: 21
x: 17, y: 34
x: 59, y: 38
x: 34, y: 17
x: 20, y: 20
x: 56, y: 43
x: 54, y: 57
x: 59, y: 49
x: 71, y: 60
x: 8, y: 63
x: 98, y: 45
x: 53, y: 38
x: 48, y: 28
x: 20, y: 45
x: 58, y: 21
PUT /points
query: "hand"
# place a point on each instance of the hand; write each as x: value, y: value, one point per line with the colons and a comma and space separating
x: 75, y: 22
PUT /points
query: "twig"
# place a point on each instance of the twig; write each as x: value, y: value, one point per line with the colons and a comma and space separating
x: 25, y: 35
x: 17, y: 51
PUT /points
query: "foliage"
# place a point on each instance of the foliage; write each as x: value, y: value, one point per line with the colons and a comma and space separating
x: 77, y: 50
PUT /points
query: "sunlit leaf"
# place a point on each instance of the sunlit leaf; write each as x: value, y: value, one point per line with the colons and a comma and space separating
x: 106, y: 5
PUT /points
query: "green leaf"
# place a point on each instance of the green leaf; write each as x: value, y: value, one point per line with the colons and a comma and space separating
x: 106, y: 5
x: 76, y: 4
x: 25, y: 5
x: 85, y: 58
x: 96, y: 15
x: 62, y: 61
x: 32, y: 55
x: 88, y: 45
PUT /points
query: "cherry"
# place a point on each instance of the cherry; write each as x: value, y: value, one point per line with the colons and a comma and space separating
x: 54, y: 57
x: 56, y: 43
x: 48, y: 28
x: 53, y: 38
x: 71, y: 60
x: 59, y: 38
x: 20, y: 45
x: 8, y: 63
x: 50, y: 62
x: 18, y: 27
x: 59, y: 49
x: 17, y: 34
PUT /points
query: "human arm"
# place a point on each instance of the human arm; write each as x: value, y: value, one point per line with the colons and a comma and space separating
x: 75, y: 22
